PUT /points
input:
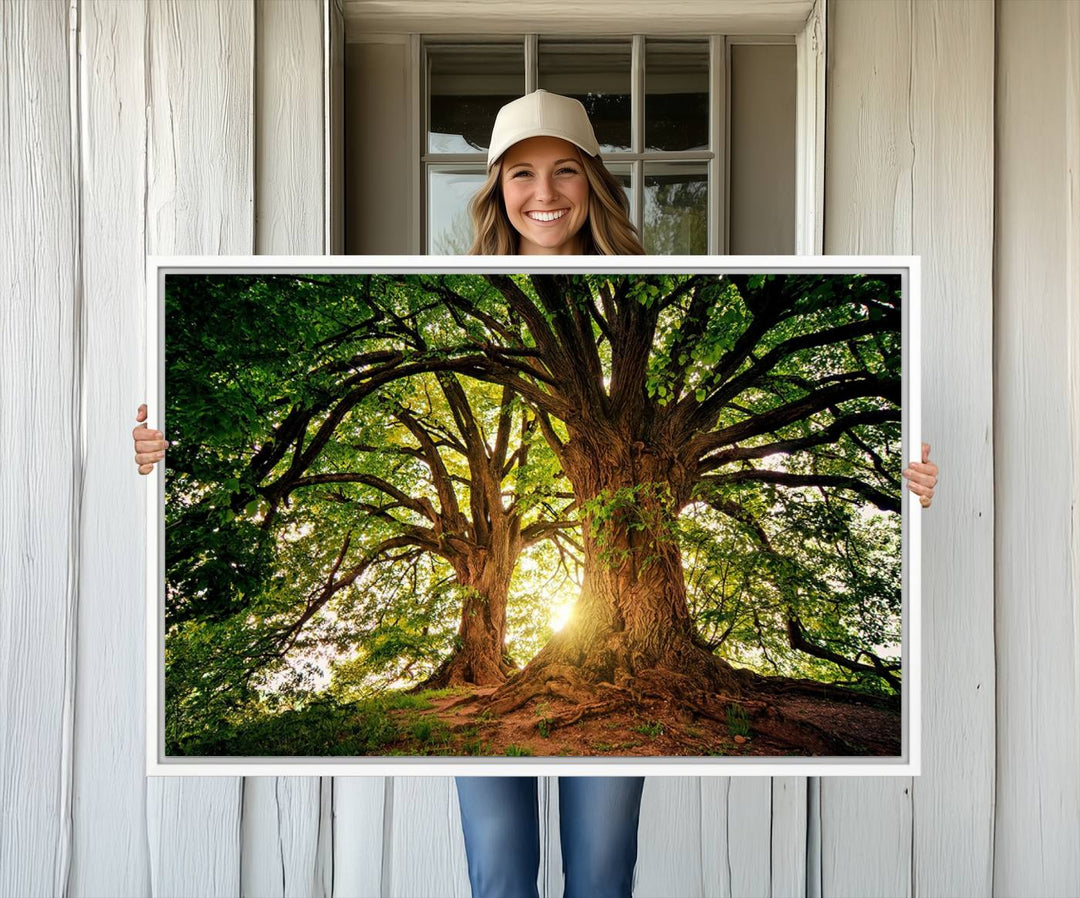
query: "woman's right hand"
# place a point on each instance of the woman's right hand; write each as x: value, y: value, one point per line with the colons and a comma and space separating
x: 149, y: 444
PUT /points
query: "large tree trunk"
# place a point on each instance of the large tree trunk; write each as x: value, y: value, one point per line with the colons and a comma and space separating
x: 480, y: 658
x: 631, y: 632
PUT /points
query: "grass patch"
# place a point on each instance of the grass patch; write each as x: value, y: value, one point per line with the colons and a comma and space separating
x: 401, y: 701
x: 737, y: 720
x: 430, y: 731
x: 622, y: 746
x: 517, y: 751
x: 318, y: 729
x: 652, y: 730
x: 544, y: 724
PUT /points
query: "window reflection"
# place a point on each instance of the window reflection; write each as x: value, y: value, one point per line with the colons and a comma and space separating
x: 449, y: 191
x: 596, y: 74
x: 676, y: 208
x: 467, y: 85
x: 676, y: 95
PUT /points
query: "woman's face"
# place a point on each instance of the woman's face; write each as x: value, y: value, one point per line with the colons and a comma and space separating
x: 546, y: 195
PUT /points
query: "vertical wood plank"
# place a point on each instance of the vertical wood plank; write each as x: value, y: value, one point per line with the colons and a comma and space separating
x: 738, y: 847
x: 424, y: 854
x: 671, y: 838
x: 282, y: 815
x: 869, y: 155
x: 199, y: 200
x: 788, y: 837
x: 280, y: 837
x: 289, y: 128
x: 360, y: 809
x: 910, y: 170
x: 952, y: 78
x: 41, y: 451
x: 200, y: 151
x: 110, y: 854
x: 189, y: 858
x: 1037, y: 821
x: 715, y: 844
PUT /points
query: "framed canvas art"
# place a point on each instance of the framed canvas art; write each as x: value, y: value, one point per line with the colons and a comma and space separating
x: 520, y: 516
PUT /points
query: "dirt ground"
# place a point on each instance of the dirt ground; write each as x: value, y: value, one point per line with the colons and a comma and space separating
x: 773, y: 726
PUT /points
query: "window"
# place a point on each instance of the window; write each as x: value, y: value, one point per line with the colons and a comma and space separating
x: 659, y: 107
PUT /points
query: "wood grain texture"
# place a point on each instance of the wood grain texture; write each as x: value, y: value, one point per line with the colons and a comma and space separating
x: 41, y: 447
x: 909, y: 169
x: 671, y: 838
x: 1037, y: 823
x: 282, y: 815
x: 788, y: 843
x: 289, y: 132
x: 200, y: 186
x: 199, y: 201
x: 280, y: 837
x: 952, y: 126
x: 868, y: 173
x: 193, y: 829
x: 360, y: 808
x: 109, y: 813
x: 424, y: 852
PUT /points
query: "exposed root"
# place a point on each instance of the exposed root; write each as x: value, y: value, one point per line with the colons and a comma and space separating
x: 590, y: 709
x: 458, y: 670
x: 788, y: 686
x: 466, y: 700
x: 560, y: 680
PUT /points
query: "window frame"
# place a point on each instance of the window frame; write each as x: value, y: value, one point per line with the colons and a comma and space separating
x: 809, y: 108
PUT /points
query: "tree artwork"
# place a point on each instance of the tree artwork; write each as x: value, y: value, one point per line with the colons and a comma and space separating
x: 382, y: 485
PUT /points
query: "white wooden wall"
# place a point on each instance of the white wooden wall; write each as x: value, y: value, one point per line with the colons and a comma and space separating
x: 909, y: 169
x: 197, y: 127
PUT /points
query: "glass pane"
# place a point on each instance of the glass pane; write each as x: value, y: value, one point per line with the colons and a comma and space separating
x: 676, y: 95
x: 676, y: 208
x: 623, y: 175
x: 467, y: 84
x: 449, y: 192
x: 597, y: 74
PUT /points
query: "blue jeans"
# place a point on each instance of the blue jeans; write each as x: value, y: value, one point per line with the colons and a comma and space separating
x: 598, y: 822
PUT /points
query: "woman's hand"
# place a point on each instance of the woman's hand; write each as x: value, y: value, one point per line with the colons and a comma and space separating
x: 149, y: 444
x: 922, y: 477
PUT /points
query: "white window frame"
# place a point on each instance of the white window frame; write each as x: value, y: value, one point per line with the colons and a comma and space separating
x: 809, y: 126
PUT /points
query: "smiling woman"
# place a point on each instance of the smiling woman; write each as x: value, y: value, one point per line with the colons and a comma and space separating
x: 547, y: 191
x: 546, y: 195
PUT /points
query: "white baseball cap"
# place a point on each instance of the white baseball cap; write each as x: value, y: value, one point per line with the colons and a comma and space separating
x: 541, y: 114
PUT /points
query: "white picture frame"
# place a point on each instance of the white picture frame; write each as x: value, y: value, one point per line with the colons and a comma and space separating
x: 908, y: 763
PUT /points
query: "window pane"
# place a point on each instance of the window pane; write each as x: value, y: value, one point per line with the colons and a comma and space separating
x: 676, y: 208
x: 622, y: 174
x: 597, y: 74
x: 676, y: 95
x: 449, y: 192
x: 467, y: 84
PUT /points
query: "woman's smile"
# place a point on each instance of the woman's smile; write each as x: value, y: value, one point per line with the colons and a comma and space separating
x: 554, y: 215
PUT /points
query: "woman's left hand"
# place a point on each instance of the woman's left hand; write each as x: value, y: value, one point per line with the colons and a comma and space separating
x: 922, y: 477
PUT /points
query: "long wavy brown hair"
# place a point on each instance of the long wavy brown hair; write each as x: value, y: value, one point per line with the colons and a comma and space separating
x: 607, y: 231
